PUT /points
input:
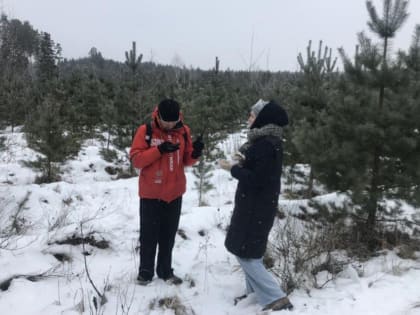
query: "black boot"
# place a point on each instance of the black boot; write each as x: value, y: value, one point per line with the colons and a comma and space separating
x: 237, y: 299
x: 279, y: 305
x: 142, y: 281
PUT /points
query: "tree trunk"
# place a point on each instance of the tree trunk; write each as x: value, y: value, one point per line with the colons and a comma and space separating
x: 310, y: 190
x: 108, y: 138
x: 372, y: 204
x: 201, y: 181
x: 49, y: 171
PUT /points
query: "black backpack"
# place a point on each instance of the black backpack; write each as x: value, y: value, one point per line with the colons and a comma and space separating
x: 148, y: 136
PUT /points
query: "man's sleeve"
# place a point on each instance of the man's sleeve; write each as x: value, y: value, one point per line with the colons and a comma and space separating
x: 188, y: 160
x: 141, y: 154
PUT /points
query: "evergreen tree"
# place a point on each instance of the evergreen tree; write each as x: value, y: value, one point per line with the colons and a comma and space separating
x: 129, y: 99
x: 96, y: 57
x: 412, y: 63
x: 93, y: 96
x: 47, y: 134
x: 18, y: 42
x: 370, y: 129
x: 211, y: 113
x: 135, y: 108
x: 46, y: 129
x: 412, y: 59
x: 312, y: 99
x: 132, y: 61
x: 47, y: 58
x: 14, y: 99
x: 108, y: 114
x: 73, y: 110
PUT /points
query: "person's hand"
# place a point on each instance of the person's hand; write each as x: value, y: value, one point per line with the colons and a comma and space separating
x: 239, y: 158
x: 198, y: 146
x: 226, y: 165
x: 167, y: 147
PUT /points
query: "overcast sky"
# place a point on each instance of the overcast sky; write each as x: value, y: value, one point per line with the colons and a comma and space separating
x: 196, y: 30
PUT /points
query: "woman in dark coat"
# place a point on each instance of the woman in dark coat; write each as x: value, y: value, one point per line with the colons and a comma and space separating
x: 256, y: 200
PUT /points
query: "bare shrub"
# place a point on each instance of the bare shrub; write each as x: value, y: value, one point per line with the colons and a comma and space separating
x: 172, y: 303
x: 13, y: 223
x: 302, y: 249
x: 100, y: 294
x: 60, y: 220
x: 109, y: 155
x: 125, y: 299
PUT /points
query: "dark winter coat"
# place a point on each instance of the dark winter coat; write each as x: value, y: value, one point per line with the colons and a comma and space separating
x: 257, y: 194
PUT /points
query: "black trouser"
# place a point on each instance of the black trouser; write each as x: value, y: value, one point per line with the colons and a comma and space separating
x: 158, y: 225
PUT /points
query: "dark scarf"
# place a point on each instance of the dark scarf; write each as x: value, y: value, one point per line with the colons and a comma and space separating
x: 255, y: 133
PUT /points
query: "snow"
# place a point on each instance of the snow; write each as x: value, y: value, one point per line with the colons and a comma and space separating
x: 90, y: 199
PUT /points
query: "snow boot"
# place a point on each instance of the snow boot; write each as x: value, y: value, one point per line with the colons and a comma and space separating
x: 173, y: 280
x: 142, y: 281
x: 237, y: 299
x: 279, y: 305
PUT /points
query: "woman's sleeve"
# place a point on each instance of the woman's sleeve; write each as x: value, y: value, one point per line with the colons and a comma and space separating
x: 264, y: 158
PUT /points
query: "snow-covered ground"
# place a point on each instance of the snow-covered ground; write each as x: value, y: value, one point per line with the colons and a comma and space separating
x: 90, y: 200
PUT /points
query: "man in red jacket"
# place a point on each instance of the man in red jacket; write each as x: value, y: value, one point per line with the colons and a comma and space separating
x: 161, y: 156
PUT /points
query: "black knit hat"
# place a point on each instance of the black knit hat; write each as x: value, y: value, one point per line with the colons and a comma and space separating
x: 271, y: 113
x: 168, y: 110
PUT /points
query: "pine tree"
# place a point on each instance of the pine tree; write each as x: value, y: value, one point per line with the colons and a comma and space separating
x: 93, y: 95
x: 108, y: 114
x: 18, y: 42
x: 412, y: 64
x: 73, y: 111
x: 47, y: 134
x: 370, y: 128
x: 211, y: 113
x: 47, y: 58
x: 96, y: 57
x: 135, y: 109
x: 412, y: 59
x: 14, y: 99
x: 130, y: 99
x: 46, y: 129
x: 313, y: 97
x: 132, y: 61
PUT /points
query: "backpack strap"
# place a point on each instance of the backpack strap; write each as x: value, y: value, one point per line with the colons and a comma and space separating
x: 148, y: 136
x: 185, y: 135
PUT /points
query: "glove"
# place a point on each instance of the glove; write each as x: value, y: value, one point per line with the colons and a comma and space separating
x: 226, y: 165
x: 167, y: 147
x: 198, y: 146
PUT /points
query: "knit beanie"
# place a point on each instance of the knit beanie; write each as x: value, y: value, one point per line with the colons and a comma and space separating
x: 271, y: 113
x: 258, y: 106
x: 169, y: 110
